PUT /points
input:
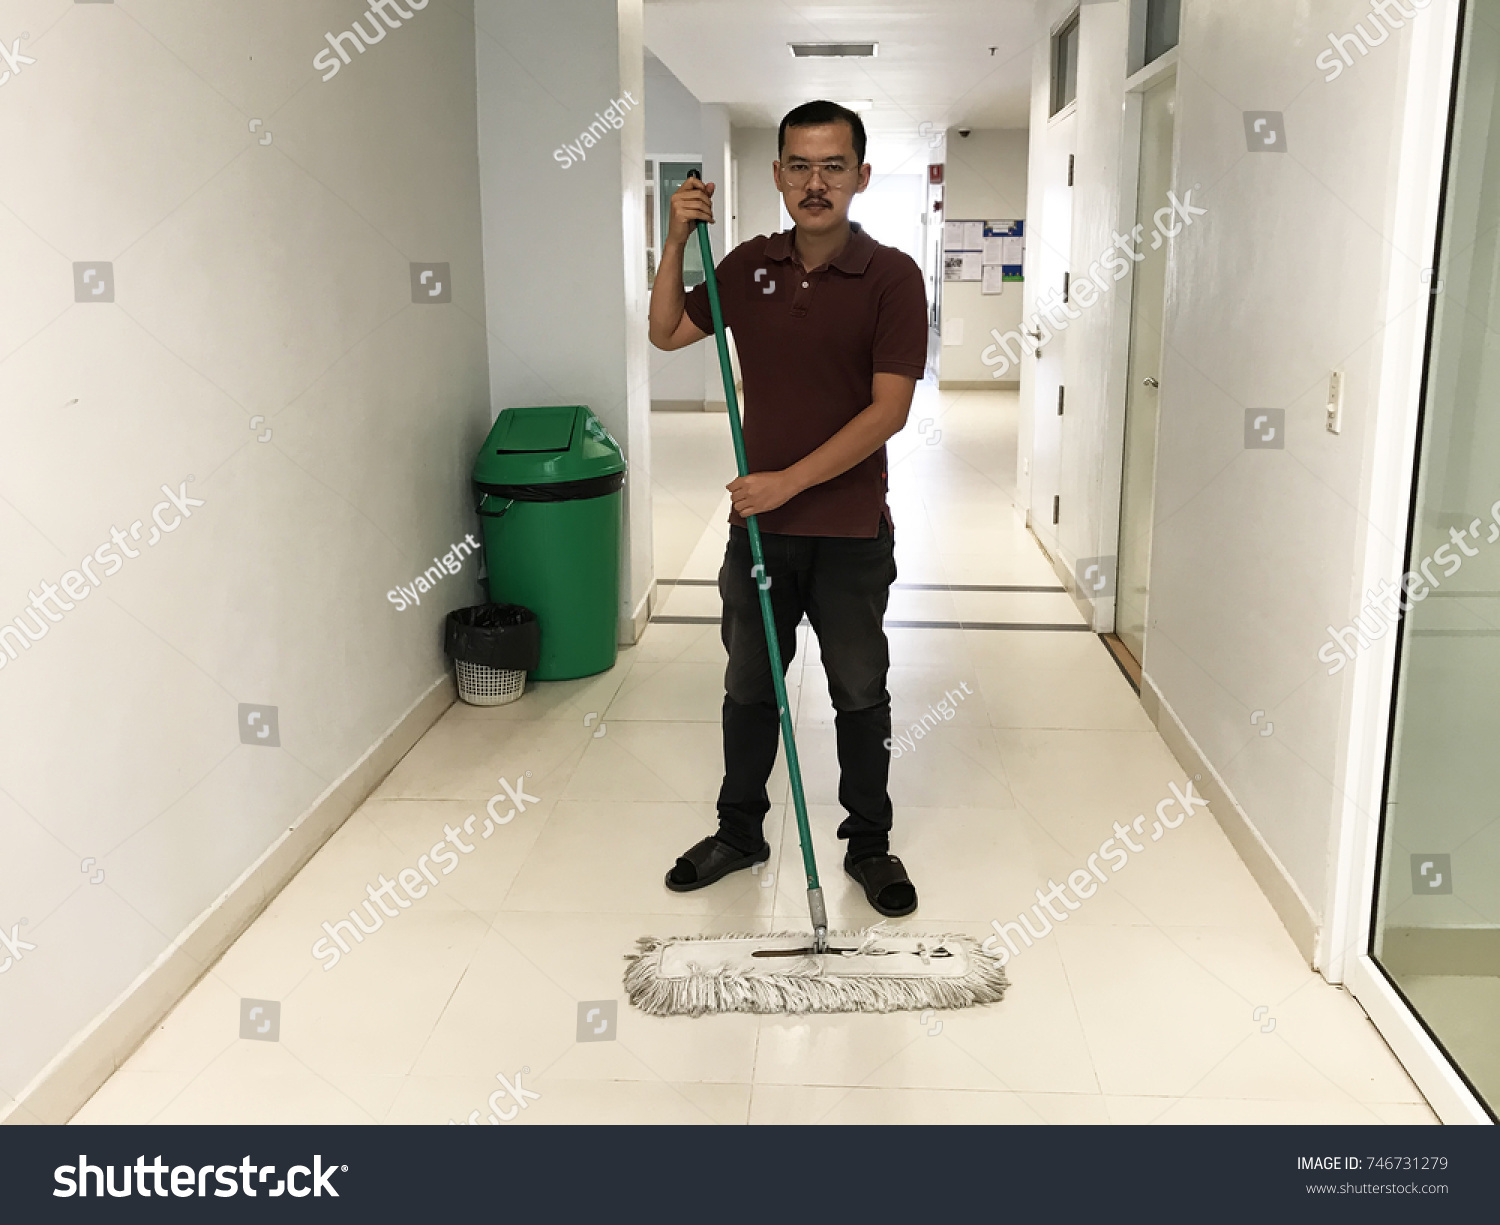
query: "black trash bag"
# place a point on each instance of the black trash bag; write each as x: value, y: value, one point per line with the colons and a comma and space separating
x: 504, y: 636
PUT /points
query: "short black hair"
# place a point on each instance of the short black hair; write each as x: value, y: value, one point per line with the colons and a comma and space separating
x: 815, y: 114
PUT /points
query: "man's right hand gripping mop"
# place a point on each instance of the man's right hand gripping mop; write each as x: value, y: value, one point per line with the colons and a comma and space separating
x: 875, y: 970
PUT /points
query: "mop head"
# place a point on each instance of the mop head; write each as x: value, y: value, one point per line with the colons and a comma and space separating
x: 866, y: 971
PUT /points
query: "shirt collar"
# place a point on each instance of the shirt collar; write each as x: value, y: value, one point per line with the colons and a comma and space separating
x: 853, y: 259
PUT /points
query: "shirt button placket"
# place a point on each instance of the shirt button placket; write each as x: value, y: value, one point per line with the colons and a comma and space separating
x: 803, y: 296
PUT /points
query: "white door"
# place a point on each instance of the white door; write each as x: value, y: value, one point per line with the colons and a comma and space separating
x: 1048, y: 258
x: 1147, y: 301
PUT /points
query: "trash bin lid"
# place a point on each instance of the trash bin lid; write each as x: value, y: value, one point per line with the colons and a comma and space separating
x: 547, y: 444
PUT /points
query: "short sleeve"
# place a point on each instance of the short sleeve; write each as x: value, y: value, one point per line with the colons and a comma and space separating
x: 901, y: 326
x: 698, y: 308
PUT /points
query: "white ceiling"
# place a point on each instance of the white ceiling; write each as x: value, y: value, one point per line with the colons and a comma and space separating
x: 934, y: 65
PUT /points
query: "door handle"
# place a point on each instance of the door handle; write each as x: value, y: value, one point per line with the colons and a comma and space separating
x: 1036, y: 336
x: 1151, y: 382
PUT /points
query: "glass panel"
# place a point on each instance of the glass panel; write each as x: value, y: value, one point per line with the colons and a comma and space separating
x: 673, y: 175
x: 1065, y: 65
x: 1437, y: 928
x: 1162, y: 18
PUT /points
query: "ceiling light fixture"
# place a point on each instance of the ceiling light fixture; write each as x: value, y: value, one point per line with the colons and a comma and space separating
x: 825, y: 50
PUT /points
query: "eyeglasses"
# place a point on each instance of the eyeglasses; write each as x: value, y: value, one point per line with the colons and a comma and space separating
x: 835, y: 174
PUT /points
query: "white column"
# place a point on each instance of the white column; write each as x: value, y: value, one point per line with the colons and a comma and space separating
x: 564, y: 231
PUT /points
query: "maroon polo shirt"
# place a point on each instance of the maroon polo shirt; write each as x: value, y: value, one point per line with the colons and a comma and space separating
x: 810, y: 344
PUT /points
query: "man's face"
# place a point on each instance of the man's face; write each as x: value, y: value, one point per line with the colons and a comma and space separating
x: 818, y: 176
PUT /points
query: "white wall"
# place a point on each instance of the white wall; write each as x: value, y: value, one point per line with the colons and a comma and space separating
x: 259, y: 285
x: 1281, y: 282
x: 678, y: 125
x: 1253, y: 560
x: 890, y: 208
x: 674, y: 117
x: 985, y: 180
x: 759, y: 201
x: 565, y: 257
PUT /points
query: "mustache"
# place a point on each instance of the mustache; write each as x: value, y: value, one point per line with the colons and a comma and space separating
x: 806, y: 200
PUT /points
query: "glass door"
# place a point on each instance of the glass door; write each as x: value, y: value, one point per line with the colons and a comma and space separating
x: 670, y: 175
x: 1437, y: 919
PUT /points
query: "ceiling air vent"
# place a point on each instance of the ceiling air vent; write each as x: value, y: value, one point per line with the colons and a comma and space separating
x: 808, y: 50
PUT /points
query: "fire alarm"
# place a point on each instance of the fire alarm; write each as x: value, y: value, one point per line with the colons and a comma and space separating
x: 935, y: 174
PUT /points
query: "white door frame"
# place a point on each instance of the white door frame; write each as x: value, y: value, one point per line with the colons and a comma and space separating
x: 1162, y: 69
x: 1343, y: 940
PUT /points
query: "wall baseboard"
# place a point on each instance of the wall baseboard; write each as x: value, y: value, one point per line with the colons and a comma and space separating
x: 978, y: 385
x: 75, y: 1074
x: 694, y: 406
x: 632, y: 627
x: 1275, y: 882
x: 1098, y: 613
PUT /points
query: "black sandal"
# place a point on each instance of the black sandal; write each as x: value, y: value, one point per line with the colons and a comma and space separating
x: 712, y: 860
x: 886, y: 884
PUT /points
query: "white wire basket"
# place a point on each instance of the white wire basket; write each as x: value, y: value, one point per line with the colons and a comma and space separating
x: 482, y: 686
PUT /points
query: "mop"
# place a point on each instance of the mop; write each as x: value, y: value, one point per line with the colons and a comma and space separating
x: 874, y: 970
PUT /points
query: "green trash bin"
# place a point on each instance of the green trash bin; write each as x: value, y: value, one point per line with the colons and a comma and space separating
x: 549, y: 482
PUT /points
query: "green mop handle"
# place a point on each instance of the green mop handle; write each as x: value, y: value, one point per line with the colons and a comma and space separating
x: 763, y: 583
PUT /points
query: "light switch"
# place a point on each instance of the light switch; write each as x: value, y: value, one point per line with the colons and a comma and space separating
x: 1336, y: 402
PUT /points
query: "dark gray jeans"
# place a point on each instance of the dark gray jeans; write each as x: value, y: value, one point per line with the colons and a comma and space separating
x: 843, y: 585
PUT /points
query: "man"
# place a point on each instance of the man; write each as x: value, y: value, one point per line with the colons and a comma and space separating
x: 831, y: 329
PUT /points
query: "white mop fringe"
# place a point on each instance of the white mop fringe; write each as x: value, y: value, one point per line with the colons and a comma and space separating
x: 802, y: 985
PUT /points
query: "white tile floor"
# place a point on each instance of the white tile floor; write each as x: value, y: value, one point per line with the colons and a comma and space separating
x: 1145, y: 1007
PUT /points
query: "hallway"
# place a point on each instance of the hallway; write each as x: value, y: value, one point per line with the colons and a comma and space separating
x: 365, y: 711
x: 1173, y: 995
